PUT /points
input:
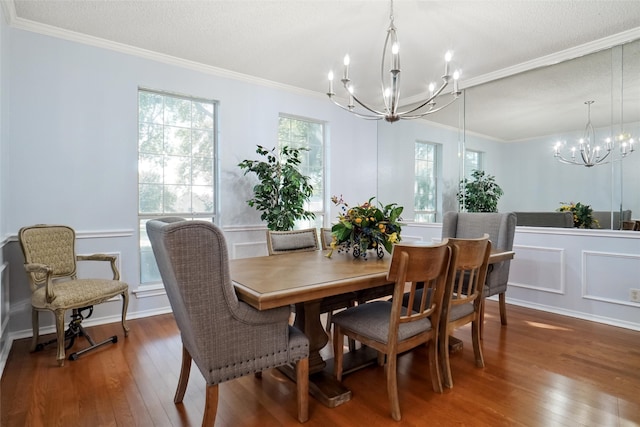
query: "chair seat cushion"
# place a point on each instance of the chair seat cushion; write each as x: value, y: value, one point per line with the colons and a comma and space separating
x: 372, y: 321
x: 78, y: 293
x: 460, y: 311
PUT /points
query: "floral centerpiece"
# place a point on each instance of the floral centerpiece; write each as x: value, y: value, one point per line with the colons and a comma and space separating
x: 582, y: 214
x: 365, y: 227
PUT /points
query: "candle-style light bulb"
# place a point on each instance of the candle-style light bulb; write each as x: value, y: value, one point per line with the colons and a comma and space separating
x: 396, y: 58
x: 330, y: 76
x: 346, y: 61
x: 447, y: 59
x: 456, y: 77
x: 432, y: 87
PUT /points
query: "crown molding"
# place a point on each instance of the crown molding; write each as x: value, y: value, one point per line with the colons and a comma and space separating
x: 52, y: 31
x: 556, y: 58
x: 8, y: 7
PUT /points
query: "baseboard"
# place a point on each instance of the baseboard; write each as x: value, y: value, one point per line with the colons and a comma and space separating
x: 27, y: 333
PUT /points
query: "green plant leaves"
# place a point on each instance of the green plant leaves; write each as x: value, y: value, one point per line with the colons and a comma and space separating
x: 481, y: 194
x: 282, y: 191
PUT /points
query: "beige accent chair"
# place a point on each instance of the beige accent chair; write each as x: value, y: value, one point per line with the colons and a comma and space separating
x: 388, y: 327
x: 51, y: 265
x: 225, y: 337
x: 463, y: 301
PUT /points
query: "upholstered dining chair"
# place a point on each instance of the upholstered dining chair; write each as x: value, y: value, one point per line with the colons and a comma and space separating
x: 391, y: 329
x: 326, y: 238
x: 225, y: 337
x: 463, y: 300
x: 51, y: 265
x: 282, y: 242
x: 501, y: 228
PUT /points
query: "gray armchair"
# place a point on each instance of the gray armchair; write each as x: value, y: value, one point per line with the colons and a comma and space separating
x: 501, y: 228
x: 225, y: 337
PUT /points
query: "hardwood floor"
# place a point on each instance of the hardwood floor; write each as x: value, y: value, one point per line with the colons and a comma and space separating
x: 541, y: 370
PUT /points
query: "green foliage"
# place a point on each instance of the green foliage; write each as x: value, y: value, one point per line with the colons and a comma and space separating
x: 367, y: 226
x: 481, y: 194
x: 282, y: 191
x: 582, y: 214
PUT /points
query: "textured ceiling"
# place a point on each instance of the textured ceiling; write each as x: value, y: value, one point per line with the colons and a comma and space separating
x: 297, y: 42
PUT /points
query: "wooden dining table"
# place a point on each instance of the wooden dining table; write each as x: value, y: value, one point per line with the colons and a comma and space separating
x: 304, y: 279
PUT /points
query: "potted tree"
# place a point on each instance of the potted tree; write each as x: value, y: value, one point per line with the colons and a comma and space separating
x: 481, y: 194
x: 282, y: 190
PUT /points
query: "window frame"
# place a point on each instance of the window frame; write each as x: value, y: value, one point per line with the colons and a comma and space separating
x: 480, y: 155
x: 211, y: 215
x: 436, y: 166
x: 321, y: 219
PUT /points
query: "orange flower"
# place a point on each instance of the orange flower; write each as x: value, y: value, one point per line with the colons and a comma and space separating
x: 358, y: 221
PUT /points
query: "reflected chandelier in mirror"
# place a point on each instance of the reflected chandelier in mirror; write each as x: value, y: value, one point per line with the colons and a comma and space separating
x: 592, y: 154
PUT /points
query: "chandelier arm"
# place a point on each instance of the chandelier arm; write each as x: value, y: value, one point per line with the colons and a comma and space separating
x: 382, y: 61
x: 359, y: 115
x: 366, y: 107
x: 406, y: 115
x: 430, y: 100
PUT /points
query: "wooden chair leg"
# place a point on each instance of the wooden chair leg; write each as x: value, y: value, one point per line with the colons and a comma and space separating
x: 392, y: 386
x: 329, y: 317
x: 482, y: 318
x: 184, y: 377
x: 338, y: 339
x: 302, y: 382
x: 210, y: 406
x: 60, y: 336
x: 35, y: 326
x: 477, y: 343
x: 503, y: 308
x: 434, y: 365
x: 125, y: 305
x: 445, y: 364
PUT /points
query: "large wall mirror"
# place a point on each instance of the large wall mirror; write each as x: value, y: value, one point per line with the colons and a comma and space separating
x: 515, y: 122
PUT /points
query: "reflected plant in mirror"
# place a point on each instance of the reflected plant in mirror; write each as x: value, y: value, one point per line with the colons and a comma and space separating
x: 480, y: 194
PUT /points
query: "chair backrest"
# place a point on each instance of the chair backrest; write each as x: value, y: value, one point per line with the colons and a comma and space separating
x: 418, y: 267
x: 326, y: 238
x: 194, y: 265
x: 604, y: 219
x: 51, y: 245
x: 470, y: 268
x: 500, y: 227
x: 284, y: 242
x: 545, y: 219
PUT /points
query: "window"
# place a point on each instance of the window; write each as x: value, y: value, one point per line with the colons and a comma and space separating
x: 297, y: 132
x: 472, y: 161
x: 426, y: 188
x: 176, y: 164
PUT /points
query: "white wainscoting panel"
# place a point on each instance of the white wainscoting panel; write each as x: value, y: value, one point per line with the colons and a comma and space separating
x: 538, y: 268
x: 601, y: 278
x: 249, y: 249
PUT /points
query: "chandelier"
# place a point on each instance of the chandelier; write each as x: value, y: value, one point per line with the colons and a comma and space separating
x: 390, y: 85
x: 592, y: 154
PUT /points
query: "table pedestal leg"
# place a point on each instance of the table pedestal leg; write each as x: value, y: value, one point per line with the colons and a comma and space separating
x: 308, y: 321
x: 322, y: 384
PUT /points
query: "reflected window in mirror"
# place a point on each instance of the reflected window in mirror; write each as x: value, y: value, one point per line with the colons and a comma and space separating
x: 473, y: 160
x: 426, y: 181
